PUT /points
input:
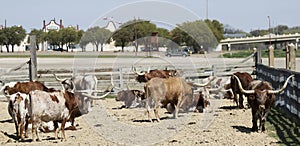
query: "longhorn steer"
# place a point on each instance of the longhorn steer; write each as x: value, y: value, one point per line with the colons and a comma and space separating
x: 130, y: 97
x: 245, y: 79
x: 147, y: 76
x: 18, y: 110
x: 198, y: 102
x: 81, y: 82
x: 261, y: 97
x: 173, y: 90
x: 54, y: 106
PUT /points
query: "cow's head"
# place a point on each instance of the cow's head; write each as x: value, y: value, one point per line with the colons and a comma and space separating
x: 8, y: 89
x: 145, y: 76
x: 261, y: 92
x: 66, y: 84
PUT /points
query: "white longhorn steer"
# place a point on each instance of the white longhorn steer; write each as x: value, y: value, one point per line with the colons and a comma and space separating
x: 54, y: 106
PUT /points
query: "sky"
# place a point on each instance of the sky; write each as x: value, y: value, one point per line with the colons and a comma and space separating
x: 246, y: 15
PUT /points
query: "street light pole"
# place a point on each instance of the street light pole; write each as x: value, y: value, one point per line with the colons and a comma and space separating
x: 271, y: 49
x: 269, y: 30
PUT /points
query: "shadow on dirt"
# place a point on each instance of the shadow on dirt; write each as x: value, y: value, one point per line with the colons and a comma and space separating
x: 242, y: 129
x: 148, y: 121
x: 228, y: 107
x: 285, y: 125
x: 7, y: 121
x: 14, y: 137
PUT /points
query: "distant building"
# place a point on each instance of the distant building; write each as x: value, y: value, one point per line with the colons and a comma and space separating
x: 52, y: 25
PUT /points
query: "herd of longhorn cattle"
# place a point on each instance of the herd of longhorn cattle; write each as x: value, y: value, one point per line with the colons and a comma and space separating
x: 33, y: 103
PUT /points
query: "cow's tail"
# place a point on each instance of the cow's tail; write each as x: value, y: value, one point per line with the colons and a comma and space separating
x: 30, y: 104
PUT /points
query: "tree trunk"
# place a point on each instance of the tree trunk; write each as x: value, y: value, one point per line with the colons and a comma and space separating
x: 101, y: 47
x: 12, y: 48
x: 97, y: 47
x: 123, y: 45
x: 7, y: 48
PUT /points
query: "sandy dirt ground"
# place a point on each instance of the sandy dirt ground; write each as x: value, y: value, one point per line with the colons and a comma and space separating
x: 107, y: 124
x: 220, y: 124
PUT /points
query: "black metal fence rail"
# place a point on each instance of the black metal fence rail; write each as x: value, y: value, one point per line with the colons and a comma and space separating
x: 290, y: 97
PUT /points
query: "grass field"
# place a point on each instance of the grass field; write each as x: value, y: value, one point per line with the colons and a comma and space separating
x: 264, y: 53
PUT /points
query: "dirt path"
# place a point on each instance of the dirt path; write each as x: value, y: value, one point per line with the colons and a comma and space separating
x: 108, y: 125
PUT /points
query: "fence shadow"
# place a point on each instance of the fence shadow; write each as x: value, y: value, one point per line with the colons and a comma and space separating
x: 286, y: 127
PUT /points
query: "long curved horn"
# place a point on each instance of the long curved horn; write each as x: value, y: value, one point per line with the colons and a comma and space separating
x: 134, y: 70
x: 205, y: 84
x: 95, y: 97
x: 241, y: 87
x: 282, y: 88
x: 58, y: 79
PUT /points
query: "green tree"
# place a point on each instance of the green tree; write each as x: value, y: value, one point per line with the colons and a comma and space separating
x: 14, y: 36
x: 216, y: 28
x: 137, y: 31
x: 144, y: 30
x: 3, y: 39
x: 196, y: 34
x: 259, y: 32
x: 69, y: 36
x: 123, y: 36
x: 84, y: 41
x: 97, y: 36
x: 280, y: 29
x: 54, y: 38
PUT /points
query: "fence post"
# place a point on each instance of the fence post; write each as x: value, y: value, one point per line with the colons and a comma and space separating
x: 213, y: 70
x: 271, y: 56
x: 121, y: 78
x: 287, y: 57
x: 292, y: 54
x: 33, y: 62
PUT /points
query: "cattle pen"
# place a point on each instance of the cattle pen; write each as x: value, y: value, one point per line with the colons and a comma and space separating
x: 122, y: 75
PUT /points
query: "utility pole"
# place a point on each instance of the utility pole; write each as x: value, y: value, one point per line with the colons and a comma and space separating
x: 269, y: 30
x: 135, y: 38
x: 206, y: 9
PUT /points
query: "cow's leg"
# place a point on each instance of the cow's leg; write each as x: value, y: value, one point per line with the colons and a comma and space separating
x: 63, y: 123
x: 147, y: 102
x: 148, y: 110
x: 235, y: 99
x: 254, y: 120
x: 241, y: 101
x: 264, y: 118
x: 35, y: 132
x: 56, y: 129
x: 21, y: 128
x: 26, y: 127
x: 17, y: 129
x: 156, y: 112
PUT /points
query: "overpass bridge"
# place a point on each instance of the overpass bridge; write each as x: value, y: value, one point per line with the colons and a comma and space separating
x: 262, y: 39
